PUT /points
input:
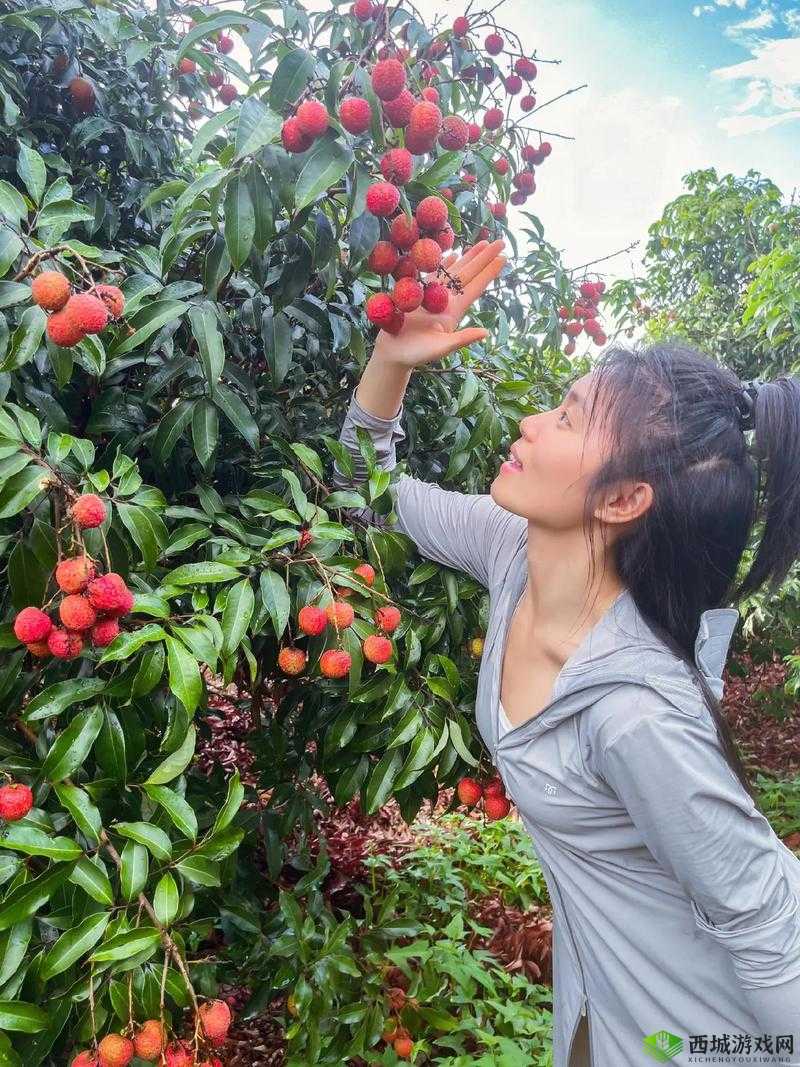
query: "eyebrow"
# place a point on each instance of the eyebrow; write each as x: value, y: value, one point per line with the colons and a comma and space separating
x: 575, y: 396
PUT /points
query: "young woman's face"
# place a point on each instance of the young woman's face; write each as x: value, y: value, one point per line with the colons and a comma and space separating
x: 558, y: 458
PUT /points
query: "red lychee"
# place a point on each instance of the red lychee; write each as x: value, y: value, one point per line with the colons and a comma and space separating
x: 526, y: 68
x: 82, y: 93
x: 291, y: 660
x: 215, y: 1019
x: 430, y: 93
x: 312, y: 117
x: 446, y: 192
x: 398, y: 111
x: 599, y: 338
x: 405, y: 268
x: 31, y: 624
x: 524, y: 181
x: 404, y: 232
x: 494, y: 787
x: 494, y: 44
x: 395, y: 323
x: 380, y: 309
x: 362, y: 9
x: 215, y: 79
x: 517, y: 198
x: 397, y: 165
x: 501, y: 166
x: 382, y: 199
x: 62, y: 331
x: 334, y: 663
x: 228, y: 92
x: 64, y: 645
x: 446, y: 237
x: 292, y: 137
x: 387, y: 618
x: 513, y: 84
x: 355, y: 114
x: 77, y: 613
x: 366, y: 571
x: 89, y: 511
x: 50, y: 290
x: 110, y: 595
x: 493, y: 118
x: 425, y: 121
x: 377, y: 648
x: 426, y: 255
x: 474, y: 132
x: 178, y: 1054
x: 569, y: 348
x: 461, y: 26
x: 435, y: 298
x: 187, y: 66
x: 455, y: 133
x: 16, y: 800
x: 572, y: 329
x: 431, y: 213
x: 498, y: 210
x: 312, y: 620
x: 103, y: 632
x: 388, y: 78
x: 496, y: 807
x: 469, y: 791
x: 87, y: 312
x: 407, y: 294
x: 340, y: 613
x: 403, y: 1047
x: 85, y: 1059
x: 149, y: 1042
x: 225, y: 43
x: 383, y: 258
x: 38, y: 648
x: 528, y: 102
x: 113, y: 299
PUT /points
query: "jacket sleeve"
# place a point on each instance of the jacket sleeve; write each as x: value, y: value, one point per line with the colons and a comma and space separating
x: 467, y: 532
x: 701, y: 826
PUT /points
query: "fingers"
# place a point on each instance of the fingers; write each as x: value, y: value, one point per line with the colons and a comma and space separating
x: 451, y: 342
x: 459, y: 259
x: 473, y: 266
x: 477, y: 285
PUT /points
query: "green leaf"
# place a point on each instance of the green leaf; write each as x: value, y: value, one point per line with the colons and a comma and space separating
x: 291, y: 77
x: 57, y: 698
x: 73, y: 945
x: 257, y: 126
x: 12, y: 203
x: 170, y: 429
x: 201, y: 186
x: 10, y: 248
x: 276, y: 599
x: 326, y: 163
x: 179, y: 811
x: 233, y: 801
x: 236, y: 411
x: 129, y: 943
x: 91, y: 876
x: 85, y: 814
x: 30, y: 167
x: 382, y: 778
x: 134, y: 870
x: 221, y: 845
x: 176, y: 762
x: 146, y: 322
x: 200, y: 574
x: 151, y: 668
x: 33, y: 842
x: 209, y: 130
x: 21, y: 490
x: 14, y: 947
x: 240, y: 220
x: 147, y: 529
x: 26, y: 899
x: 276, y: 334
x: 237, y: 614
x: 153, y: 838
x: 22, y: 1017
x: 73, y: 745
x: 205, y: 431
x: 209, y: 342
x: 200, y: 870
x: 26, y: 339
x: 109, y: 748
x: 166, y: 899
x: 184, y: 675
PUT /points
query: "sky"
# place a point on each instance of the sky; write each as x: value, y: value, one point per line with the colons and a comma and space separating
x: 672, y: 86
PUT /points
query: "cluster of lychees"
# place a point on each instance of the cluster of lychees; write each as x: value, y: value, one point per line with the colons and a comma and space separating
x: 496, y: 804
x: 336, y: 662
x: 74, y: 315
x: 583, y: 316
x: 150, y: 1043
x: 92, y: 603
x: 215, y: 79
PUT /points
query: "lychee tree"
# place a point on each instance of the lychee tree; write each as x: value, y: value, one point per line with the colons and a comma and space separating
x: 204, y: 218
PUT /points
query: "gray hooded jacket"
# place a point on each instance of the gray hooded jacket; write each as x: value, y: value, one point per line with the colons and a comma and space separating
x: 676, y: 932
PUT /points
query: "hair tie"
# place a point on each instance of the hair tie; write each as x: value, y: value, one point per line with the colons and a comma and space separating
x: 746, y: 402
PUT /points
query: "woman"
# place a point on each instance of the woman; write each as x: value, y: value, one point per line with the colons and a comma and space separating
x: 676, y: 907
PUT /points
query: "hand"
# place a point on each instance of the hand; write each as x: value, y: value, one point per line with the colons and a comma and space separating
x: 426, y: 337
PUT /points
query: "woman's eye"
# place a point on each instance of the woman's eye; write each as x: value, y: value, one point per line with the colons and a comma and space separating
x: 563, y: 415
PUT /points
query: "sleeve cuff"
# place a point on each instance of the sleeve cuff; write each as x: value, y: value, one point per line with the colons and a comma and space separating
x: 365, y: 418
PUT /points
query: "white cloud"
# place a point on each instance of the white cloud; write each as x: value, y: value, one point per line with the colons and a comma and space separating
x: 702, y: 9
x: 741, y: 4
x: 777, y: 62
x: 791, y: 19
x: 762, y: 21
x: 738, y: 125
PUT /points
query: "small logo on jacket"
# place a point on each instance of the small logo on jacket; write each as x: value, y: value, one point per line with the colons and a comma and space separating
x: 550, y: 790
x: 662, y: 1045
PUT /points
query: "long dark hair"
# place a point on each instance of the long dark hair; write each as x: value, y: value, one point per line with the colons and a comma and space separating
x: 673, y: 419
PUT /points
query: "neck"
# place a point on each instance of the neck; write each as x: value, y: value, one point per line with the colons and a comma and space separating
x: 558, y: 606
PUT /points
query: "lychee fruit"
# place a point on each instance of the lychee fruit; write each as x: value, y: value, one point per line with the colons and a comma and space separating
x: 498, y: 210
x: 85, y: 1059
x: 430, y: 93
x: 469, y: 791
x: 334, y: 663
x: 39, y: 649
x: 82, y: 93
x: 496, y: 807
x: 16, y: 800
x: 366, y: 571
x: 215, y: 1019
x: 403, y: 1047
x: 291, y: 660
x: 397, y: 165
x: 31, y: 624
x: 77, y: 613
x: 494, y: 44
x: 50, y: 290
x: 405, y: 268
x: 461, y: 26
x: 494, y: 787
x: 225, y: 43
x: 407, y: 294
x: 88, y: 312
x: 526, y: 68
x: 383, y: 258
x: 312, y: 118
x: 293, y: 138
x: 528, y: 102
x: 528, y: 153
x: 454, y: 134
x: 435, y: 298
x: 380, y: 309
x: 89, y: 511
x: 431, y: 213
x: 382, y: 199
x: 215, y: 79
x: 426, y: 254
x: 110, y: 595
x: 113, y: 298
x: 404, y: 232
x: 362, y: 9
x: 493, y: 118
x: 398, y: 111
x: 228, y: 92
x: 64, y: 645
x: 177, y: 1054
x: 446, y: 237
x: 517, y: 198
x: 355, y: 114
x: 377, y: 648
x: 312, y: 620
x: 103, y: 632
x: 115, y: 1051
x: 395, y: 323
x: 474, y: 132
x: 187, y: 66
x: 425, y: 121
x: 572, y: 329
x: 501, y: 166
x: 446, y: 192
x: 62, y: 331
x: 513, y: 84
x: 387, y: 618
x: 73, y: 575
x: 388, y: 78
x: 339, y: 613
x: 149, y: 1042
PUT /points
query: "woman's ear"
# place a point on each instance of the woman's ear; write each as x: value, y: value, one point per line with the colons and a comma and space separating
x: 626, y: 503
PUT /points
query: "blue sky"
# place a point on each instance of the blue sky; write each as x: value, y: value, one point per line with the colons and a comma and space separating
x: 672, y: 86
